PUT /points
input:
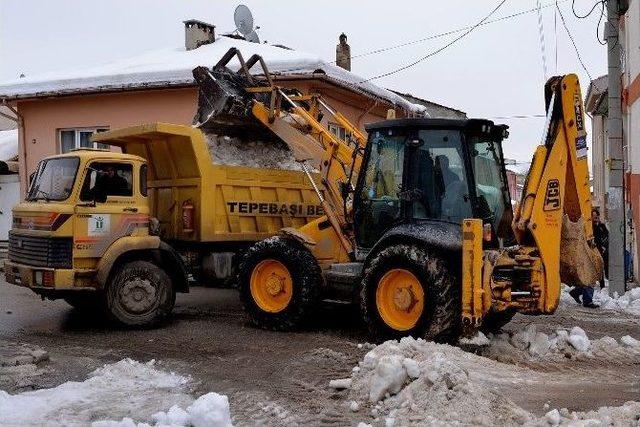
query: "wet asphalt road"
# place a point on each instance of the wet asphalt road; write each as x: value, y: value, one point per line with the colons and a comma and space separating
x: 282, y: 378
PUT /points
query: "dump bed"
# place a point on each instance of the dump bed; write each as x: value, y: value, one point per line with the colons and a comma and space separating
x: 231, y: 203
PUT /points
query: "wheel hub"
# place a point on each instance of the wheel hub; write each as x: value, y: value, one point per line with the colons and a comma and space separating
x: 271, y: 285
x: 137, y: 295
x: 404, y: 298
x: 275, y: 284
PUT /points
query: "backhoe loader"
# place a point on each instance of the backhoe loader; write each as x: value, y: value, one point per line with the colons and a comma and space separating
x: 418, y: 226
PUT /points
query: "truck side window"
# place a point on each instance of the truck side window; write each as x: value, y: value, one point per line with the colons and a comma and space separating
x: 107, y: 179
x: 143, y: 180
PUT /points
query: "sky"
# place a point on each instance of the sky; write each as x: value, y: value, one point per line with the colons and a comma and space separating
x: 495, y: 71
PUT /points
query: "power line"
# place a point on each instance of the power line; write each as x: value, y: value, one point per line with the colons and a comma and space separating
x: 435, y: 52
x: 450, y: 32
x: 518, y: 116
x: 575, y: 47
x: 573, y: 9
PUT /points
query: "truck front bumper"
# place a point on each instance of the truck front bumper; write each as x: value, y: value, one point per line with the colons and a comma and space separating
x: 41, y: 279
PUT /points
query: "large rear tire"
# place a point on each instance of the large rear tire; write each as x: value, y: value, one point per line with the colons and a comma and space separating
x: 279, y: 281
x: 408, y: 291
x: 139, y: 295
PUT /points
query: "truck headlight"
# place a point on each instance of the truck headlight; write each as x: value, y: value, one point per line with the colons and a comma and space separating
x: 37, y: 277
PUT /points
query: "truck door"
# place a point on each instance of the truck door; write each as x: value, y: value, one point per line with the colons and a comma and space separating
x: 107, y: 208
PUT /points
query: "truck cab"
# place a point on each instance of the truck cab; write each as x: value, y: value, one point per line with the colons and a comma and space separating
x: 84, y: 221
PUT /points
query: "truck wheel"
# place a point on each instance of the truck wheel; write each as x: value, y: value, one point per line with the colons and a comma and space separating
x: 279, y: 284
x: 407, y: 291
x: 140, y: 294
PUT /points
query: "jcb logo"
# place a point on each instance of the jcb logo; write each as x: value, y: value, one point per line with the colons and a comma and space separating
x: 552, y: 195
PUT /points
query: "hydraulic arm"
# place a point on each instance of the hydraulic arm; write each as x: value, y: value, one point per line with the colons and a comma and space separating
x: 238, y: 103
x: 552, y: 223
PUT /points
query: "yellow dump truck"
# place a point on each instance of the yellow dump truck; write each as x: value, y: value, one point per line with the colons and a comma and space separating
x: 124, y: 230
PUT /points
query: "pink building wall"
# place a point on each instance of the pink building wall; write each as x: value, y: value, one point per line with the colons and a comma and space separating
x: 43, y: 118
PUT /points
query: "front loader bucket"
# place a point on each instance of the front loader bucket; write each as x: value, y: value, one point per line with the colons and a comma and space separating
x: 224, y: 106
x: 580, y: 263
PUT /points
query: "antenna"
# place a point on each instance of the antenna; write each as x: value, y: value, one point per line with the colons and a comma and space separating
x: 244, y: 23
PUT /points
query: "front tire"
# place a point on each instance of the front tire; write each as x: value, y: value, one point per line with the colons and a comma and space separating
x: 279, y: 281
x: 408, y: 291
x: 140, y: 294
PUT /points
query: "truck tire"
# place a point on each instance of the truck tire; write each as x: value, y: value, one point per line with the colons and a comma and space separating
x: 279, y: 283
x: 140, y: 294
x: 408, y: 291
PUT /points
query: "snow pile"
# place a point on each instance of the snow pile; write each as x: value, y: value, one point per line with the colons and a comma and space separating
x: 629, y: 302
x: 625, y: 415
x: 532, y: 344
x: 125, y: 390
x: 230, y: 151
x: 8, y: 144
x: 415, y: 381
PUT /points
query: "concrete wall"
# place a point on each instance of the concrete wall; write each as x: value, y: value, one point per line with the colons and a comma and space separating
x: 44, y: 118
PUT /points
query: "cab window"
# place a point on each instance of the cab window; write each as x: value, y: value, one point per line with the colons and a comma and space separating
x: 440, y: 177
x: 106, y: 179
x: 379, y: 201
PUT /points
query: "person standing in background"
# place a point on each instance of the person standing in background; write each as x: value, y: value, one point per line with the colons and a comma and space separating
x: 601, y: 238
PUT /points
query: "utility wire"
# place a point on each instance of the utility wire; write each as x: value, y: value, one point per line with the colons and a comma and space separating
x: 519, y: 116
x: 448, y: 33
x: 575, y: 47
x: 435, y: 52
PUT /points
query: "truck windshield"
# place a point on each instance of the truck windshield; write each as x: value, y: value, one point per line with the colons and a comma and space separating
x: 53, y: 179
x: 491, y: 189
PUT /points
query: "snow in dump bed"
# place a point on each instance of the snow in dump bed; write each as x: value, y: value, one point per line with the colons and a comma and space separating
x: 415, y: 382
x: 230, y: 151
x: 628, y: 303
x: 123, y: 394
x: 173, y: 66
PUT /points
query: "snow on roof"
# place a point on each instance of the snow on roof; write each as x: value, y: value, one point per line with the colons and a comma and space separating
x: 519, y: 168
x: 173, y: 66
x: 8, y: 144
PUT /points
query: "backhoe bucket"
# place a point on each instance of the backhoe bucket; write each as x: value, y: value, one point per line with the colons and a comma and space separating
x: 580, y: 262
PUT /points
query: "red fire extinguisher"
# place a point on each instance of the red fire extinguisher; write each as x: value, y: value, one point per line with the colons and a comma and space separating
x: 187, y: 216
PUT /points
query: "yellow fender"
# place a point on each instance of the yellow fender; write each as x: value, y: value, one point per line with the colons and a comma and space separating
x: 118, y: 248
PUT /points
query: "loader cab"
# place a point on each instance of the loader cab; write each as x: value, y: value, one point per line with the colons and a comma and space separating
x: 426, y: 170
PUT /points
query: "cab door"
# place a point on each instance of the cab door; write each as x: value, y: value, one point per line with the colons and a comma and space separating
x: 106, y: 208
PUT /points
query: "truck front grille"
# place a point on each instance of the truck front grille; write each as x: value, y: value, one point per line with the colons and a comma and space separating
x: 49, y: 252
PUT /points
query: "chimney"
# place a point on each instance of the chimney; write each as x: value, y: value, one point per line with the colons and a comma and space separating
x: 343, y: 53
x: 197, y: 33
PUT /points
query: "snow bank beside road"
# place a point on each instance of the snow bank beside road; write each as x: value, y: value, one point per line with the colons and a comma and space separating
x: 126, y: 390
x: 629, y: 302
x: 415, y: 382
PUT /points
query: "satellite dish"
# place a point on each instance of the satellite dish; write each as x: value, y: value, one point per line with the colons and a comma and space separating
x: 252, y: 37
x: 244, y: 20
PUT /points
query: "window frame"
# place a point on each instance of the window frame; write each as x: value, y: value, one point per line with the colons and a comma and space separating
x: 111, y: 197
x: 77, y: 131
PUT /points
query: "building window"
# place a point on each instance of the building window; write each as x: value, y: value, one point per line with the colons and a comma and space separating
x: 71, y: 139
x: 339, y: 131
